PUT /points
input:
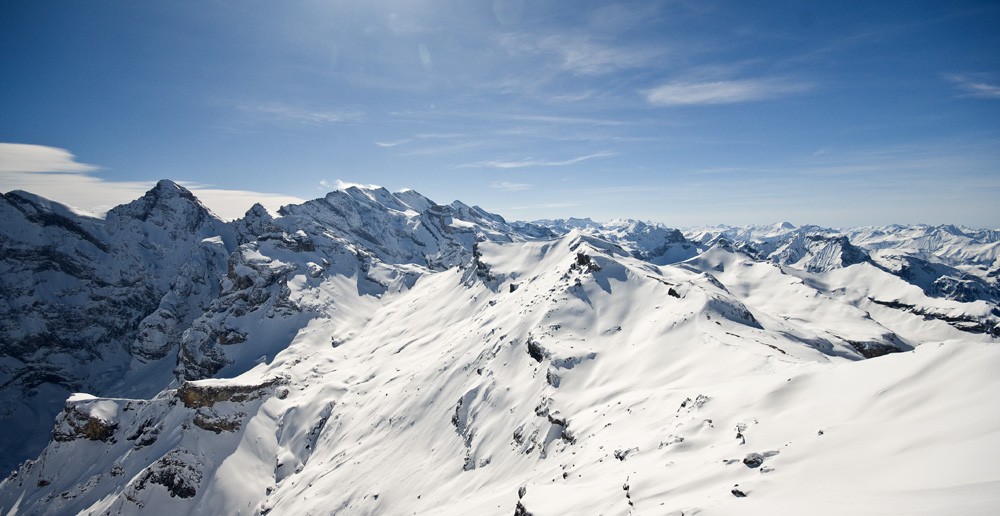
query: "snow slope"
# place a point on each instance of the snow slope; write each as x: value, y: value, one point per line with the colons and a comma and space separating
x: 376, y: 353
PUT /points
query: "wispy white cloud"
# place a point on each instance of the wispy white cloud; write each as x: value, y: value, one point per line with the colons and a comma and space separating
x: 531, y: 162
x: 584, y: 57
x: 506, y: 116
x: 393, y: 144
x: 283, y: 113
x: 972, y: 87
x: 722, y: 92
x: 443, y: 148
x: 925, y: 159
x: 550, y: 119
x: 570, y: 97
x: 22, y: 157
x: 581, y: 55
x: 617, y: 18
x: 422, y: 136
x: 55, y: 174
x: 428, y: 136
x: 510, y: 187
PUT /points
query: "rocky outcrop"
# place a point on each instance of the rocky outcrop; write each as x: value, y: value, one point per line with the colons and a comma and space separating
x: 989, y: 324
x: 196, y: 395
x: 870, y: 349
x: 179, y: 472
x: 83, y: 418
x: 938, y: 279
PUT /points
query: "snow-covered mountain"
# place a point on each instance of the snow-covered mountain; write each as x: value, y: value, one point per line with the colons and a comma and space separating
x: 377, y: 353
x: 97, y: 305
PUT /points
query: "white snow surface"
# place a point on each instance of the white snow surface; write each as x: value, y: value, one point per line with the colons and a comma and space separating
x: 388, y: 366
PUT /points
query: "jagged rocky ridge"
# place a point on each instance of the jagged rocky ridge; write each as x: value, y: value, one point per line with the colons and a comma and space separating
x: 367, y: 328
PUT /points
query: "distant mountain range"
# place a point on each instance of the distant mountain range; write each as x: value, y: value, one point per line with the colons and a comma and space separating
x: 378, y: 353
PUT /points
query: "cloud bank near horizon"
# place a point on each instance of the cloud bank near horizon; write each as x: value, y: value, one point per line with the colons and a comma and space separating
x: 55, y: 174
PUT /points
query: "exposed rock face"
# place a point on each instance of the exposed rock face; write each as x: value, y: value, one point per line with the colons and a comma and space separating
x: 874, y: 349
x: 95, y: 420
x: 204, y: 398
x: 89, y: 302
x: 938, y: 279
x: 178, y: 472
x: 206, y: 420
x: 195, y: 395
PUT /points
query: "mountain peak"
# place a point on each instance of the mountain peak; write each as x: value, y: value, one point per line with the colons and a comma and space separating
x: 258, y: 210
x: 167, y: 183
x: 378, y: 197
x: 167, y: 189
x: 167, y: 201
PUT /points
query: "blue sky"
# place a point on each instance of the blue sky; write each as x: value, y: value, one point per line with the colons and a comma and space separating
x: 683, y: 112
